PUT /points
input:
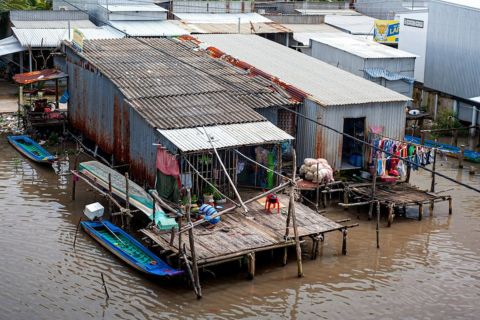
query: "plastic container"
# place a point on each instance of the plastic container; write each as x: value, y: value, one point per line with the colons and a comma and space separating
x: 93, y: 210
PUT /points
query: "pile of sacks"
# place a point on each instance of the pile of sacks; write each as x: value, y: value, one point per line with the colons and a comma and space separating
x: 317, y: 170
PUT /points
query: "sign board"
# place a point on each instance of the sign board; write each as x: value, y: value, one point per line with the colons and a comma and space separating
x: 413, y: 23
x: 77, y: 40
x: 386, y: 31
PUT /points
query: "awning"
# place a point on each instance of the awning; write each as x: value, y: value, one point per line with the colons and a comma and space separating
x: 224, y: 136
x: 10, y: 45
x: 36, y: 76
x: 392, y: 76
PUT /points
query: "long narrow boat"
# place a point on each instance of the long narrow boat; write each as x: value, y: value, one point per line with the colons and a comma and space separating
x: 450, y: 150
x: 128, y: 249
x: 31, y: 150
x: 137, y: 196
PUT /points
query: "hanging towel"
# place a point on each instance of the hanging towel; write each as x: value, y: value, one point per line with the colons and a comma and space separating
x: 166, y: 163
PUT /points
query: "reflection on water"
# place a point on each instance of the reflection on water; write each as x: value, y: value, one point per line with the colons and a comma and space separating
x: 427, y: 269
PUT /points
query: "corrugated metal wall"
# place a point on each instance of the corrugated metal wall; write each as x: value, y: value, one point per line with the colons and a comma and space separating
x: 356, y: 65
x: 306, y: 139
x: 100, y: 112
x: 316, y: 141
x: 270, y: 113
x: 389, y: 115
x: 452, y: 59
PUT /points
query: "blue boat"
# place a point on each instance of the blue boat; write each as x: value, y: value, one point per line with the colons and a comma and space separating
x: 30, y: 149
x: 128, y: 249
x: 450, y: 150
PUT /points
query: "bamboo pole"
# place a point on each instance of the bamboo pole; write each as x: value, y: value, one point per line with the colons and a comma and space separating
x: 294, y: 219
x: 162, y: 203
x: 226, y: 172
x: 74, y: 178
x: 127, y: 197
x: 192, y: 248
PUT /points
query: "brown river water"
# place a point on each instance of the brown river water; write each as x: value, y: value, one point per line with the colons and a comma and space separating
x: 423, y: 270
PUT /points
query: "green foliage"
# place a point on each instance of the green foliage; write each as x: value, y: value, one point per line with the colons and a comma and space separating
x: 7, y: 5
x: 446, y: 120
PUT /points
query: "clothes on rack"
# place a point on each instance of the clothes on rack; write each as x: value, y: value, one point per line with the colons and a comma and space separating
x: 390, y: 151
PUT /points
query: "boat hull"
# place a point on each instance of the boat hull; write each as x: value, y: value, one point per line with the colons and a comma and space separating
x: 129, y: 250
x: 31, y: 150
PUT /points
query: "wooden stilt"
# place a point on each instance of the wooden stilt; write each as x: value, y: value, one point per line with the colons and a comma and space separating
x: 378, y: 224
x: 285, y: 256
x: 420, y: 212
x: 294, y: 219
x: 374, y: 183
x: 461, y: 156
x: 449, y: 205
x: 432, y: 205
x: 127, y: 199
x: 390, y: 214
x: 251, y: 265
x: 344, y: 241
x: 345, y: 198
x: 75, y: 178
x: 432, y: 186
x: 192, y: 249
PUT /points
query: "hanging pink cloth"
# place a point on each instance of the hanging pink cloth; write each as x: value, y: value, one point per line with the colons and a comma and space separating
x: 166, y: 163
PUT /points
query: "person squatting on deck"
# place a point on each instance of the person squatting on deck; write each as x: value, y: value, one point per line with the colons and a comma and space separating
x: 205, y: 211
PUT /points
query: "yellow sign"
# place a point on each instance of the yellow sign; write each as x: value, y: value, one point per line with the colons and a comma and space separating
x: 386, y: 31
x: 77, y: 39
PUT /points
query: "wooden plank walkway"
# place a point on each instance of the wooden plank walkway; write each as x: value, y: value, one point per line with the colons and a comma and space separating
x: 238, y: 234
x: 398, y: 195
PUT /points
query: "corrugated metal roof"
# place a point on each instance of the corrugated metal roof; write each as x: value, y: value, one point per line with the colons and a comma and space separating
x: 51, y: 38
x: 310, y: 28
x: 468, y: 4
x: 342, y: 12
x: 36, y: 76
x: 149, y: 28
x: 324, y: 83
x: 52, y: 24
x: 363, y: 48
x: 10, y: 45
x: 222, y: 18
x: 133, y: 8
x: 245, y: 28
x: 352, y: 24
x: 172, y: 84
x: 224, y: 136
x: 47, y: 15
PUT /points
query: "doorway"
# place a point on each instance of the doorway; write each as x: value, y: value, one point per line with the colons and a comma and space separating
x: 353, y: 151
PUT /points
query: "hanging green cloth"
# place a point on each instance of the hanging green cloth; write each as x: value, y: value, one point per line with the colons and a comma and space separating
x: 167, y: 187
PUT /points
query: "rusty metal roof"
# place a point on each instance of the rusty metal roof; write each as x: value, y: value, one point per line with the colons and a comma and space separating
x: 174, y: 85
x: 36, y: 76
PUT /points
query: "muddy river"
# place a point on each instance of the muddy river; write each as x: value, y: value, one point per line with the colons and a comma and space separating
x: 423, y: 270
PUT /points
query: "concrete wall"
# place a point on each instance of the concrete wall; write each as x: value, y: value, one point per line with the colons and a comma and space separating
x: 414, y: 40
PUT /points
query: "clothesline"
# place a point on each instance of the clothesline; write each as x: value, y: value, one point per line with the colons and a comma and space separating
x: 402, y: 141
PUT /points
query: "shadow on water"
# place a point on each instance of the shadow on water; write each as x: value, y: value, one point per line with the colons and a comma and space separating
x: 426, y: 269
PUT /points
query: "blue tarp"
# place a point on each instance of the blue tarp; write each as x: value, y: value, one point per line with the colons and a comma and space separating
x: 382, y: 73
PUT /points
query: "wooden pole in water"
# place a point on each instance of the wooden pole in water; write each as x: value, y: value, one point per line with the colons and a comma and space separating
x: 76, y: 232
x: 432, y: 186
x: 420, y: 211
x: 192, y: 249
x: 75, y: 178
x: 104, y: 286
x: 294, y: 219
x: 127, y: 197
x: 251, y: 265
x: 374, y: 184
x: 461, y: 156
x: 154, y: 209
x: 110, y: 193
x: 378, y: 224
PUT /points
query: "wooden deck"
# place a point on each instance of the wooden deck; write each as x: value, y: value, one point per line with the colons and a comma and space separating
x: 239, y: 234
x: 398, y: 195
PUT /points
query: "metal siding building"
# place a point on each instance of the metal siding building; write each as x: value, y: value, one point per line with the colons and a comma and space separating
x: 117, y: 102
x: 330, y: 94
x: 358, y: 55
x: 453, y: 50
